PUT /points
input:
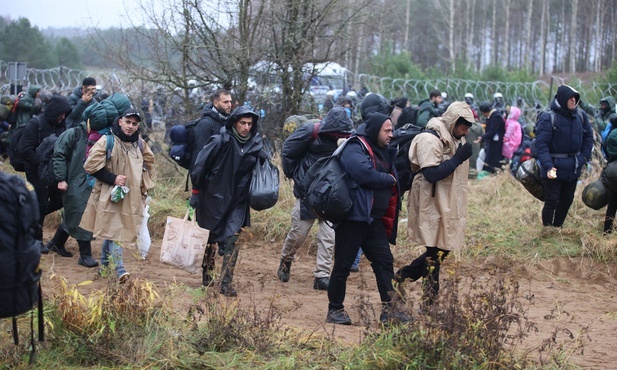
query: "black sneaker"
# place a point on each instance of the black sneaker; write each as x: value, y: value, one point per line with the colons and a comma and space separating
x: 321, y: 283
x: 394, y: 317
x: 228, y: 291
x: 44, y: 249
x: 338, y: 317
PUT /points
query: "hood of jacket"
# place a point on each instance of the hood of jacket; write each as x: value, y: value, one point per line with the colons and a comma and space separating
x: 515, y: 114
x: 33, y: 90
x: 55, y: 107
x: 455, y: 111
x: 210, y: 111
x: 610, y: 101
x: 241, y: 112
x: 336, y: 121
x: 565, y: 92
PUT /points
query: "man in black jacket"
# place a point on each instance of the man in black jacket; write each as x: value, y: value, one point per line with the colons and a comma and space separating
x: 213, y: 117
x: 301, y: 149
x: 221, y: 182
x: 50, y: 122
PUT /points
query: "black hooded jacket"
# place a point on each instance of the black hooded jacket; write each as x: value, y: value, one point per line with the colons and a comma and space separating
x: 222, y: 174
x: 567, y: 143
x: 34, y: 134
x: 300, y: 151
x: 210, y: 124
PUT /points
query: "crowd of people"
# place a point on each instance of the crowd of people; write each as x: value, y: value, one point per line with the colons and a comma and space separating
x: 103, y: 171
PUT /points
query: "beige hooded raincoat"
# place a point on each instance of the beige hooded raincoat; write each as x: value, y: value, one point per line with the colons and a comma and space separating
x: 439, y: 220
x: 119, y: 221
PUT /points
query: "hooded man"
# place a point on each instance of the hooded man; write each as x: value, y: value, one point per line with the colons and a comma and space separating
x: 438, y: 197
x: 50, y: 122
x: 80, y: 99
x: 300, y: 151
x: 221, y: 180
x: 564, y: 141
x: 372, y: 220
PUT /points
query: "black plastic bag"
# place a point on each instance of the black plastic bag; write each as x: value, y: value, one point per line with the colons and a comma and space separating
x: 264, y: 191
x: 528, y: 174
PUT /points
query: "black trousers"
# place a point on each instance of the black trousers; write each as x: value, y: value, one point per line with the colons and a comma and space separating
x: 372, y: 238
x: 49, y: 199
x: 611, y: 210
x: 426, y: 266
x: 558, y: 197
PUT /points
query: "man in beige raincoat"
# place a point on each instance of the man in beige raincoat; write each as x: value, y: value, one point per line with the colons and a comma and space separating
x: 438, y: 196
x: 130, y: 165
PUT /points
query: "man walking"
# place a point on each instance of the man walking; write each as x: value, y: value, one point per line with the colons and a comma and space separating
x: 372, y: 221
x: 301, y: 150
x: 438, y: 197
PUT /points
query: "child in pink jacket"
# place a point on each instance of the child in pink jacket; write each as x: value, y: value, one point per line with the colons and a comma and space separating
x: 513, y: 136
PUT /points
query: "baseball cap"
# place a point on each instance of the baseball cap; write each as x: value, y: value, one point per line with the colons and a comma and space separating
x: 132, y: 112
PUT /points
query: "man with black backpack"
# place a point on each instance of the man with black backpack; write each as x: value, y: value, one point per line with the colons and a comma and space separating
x: 372, y: 220
x: 50, y: 122
x: 301, y: 149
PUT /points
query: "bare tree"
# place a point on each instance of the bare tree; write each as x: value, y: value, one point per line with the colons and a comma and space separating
x: 573, y: 37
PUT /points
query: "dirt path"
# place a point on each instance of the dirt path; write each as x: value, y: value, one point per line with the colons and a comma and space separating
x: 576, y: 295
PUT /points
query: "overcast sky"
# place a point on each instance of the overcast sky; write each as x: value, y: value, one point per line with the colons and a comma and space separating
x: 67, y: 13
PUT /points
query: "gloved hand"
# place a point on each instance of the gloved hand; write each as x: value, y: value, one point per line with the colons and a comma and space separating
x: 194, y: 201
x: 463, y: 152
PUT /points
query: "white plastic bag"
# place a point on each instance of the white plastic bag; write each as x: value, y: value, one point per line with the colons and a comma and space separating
x: 143, y: 237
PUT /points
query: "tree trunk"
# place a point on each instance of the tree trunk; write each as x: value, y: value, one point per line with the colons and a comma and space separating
x: 527, y: 48
x: 543, y: 35
x: 573, y: 36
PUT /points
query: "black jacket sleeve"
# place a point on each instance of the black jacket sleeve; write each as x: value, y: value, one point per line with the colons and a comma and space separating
x: 445, y: 169
x: 105, y: 176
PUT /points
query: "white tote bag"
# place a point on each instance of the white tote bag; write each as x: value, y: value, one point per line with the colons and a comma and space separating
x: 184, y: 243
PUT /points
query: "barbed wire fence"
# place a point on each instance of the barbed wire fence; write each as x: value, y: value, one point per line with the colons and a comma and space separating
x: 530, y: 96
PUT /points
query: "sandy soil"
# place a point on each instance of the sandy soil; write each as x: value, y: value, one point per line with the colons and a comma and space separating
x: 575, y: 295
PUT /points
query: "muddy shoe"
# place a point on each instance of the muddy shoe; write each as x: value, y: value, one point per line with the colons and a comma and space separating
x: 284, y: 271
x: 321, y: 283
x: 228, y: 291
x: 338, y: 317
x: 394, y: 317
x: 60, y: 250
x: 123, y: 276
x: 87, y: 261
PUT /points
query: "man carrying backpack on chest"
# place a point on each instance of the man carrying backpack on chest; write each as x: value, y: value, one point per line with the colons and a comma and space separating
x: 563, y: 144
x: 50, y: 122
x: 300, y: 151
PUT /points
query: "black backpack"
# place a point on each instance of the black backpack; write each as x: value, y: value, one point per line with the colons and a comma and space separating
x: 327, y: 185
x: 20, y: 252
x: 15, y: 135
x: 401, y: 141
x: 183, y: 140
x: 44, y: 152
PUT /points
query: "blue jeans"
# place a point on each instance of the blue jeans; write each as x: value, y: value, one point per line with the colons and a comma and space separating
x: 113, y: 250
x: 356, y: 263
